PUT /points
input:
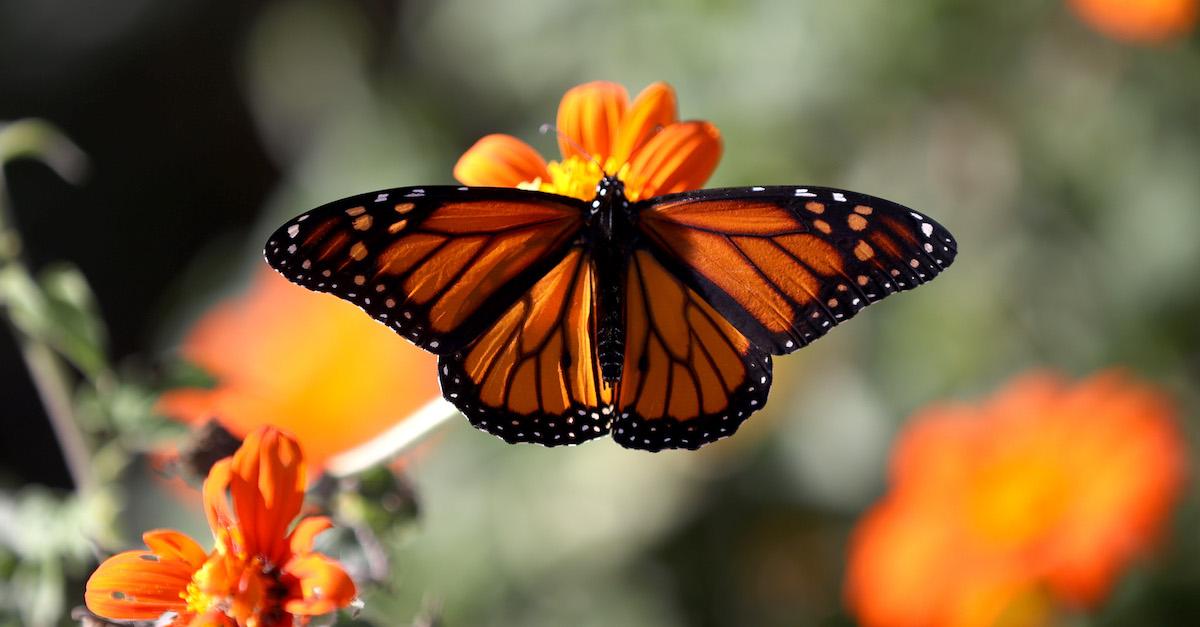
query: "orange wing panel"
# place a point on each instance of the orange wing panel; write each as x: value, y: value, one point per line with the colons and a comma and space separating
x: 438, y: 265
x: 533, y: 376
x: 786, y: 264
x: 689, y: 376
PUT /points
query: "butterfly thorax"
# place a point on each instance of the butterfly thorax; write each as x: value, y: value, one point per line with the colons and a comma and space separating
x: 610, y: 234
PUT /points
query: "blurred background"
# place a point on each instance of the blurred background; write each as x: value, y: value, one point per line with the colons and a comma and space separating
x: 1058, y: 140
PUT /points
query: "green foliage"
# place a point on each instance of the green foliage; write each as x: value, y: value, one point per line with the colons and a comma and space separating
x: 49, y: 540
x: 58, y: 309
x: 43, y: 541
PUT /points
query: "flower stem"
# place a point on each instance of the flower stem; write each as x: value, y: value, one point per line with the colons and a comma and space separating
x: 35, y: 138
x: 50, y: 380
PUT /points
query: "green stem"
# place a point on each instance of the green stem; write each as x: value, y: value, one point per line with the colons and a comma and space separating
x: 51, y: 382
x: 48, y: 372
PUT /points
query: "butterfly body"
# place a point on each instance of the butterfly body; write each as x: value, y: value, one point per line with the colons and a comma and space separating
x: 559, y: 320
x: 610, y: 236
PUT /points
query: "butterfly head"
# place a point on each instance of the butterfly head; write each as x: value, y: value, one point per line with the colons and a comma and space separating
x: 610, y: 192
x: 609, y: 210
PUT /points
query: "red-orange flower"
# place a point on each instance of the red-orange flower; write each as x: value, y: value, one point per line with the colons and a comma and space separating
x: 259, y: 575
x: 1139, y: 21
x: 642, y: 143
x: 305, y: 362
x: 1041, y: 495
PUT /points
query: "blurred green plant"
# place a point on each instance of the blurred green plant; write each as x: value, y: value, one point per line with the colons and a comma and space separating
x: 104, y: 417
x: 98, y: 414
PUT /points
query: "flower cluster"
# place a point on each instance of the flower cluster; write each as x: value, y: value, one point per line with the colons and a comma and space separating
x: 259, y: 575
x: 999, y: 511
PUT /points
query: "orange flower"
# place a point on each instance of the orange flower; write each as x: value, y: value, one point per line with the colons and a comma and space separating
x: 1138, y: 21
x: 259, y: 575
x: 1043, y: 493
x: 642, y: 143
x: 305, y: 362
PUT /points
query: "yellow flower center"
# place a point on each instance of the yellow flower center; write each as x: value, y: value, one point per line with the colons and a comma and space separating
x: 243, y: 589
x: 1030, y: 607
x: 577, y: 177
x: 198, y: 601
x: 1018, y: 499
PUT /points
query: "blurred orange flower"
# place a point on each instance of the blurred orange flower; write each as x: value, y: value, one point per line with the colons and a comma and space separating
x: 305, y: 362
x: 1139, y: 21
x: 643, y: 144
x: 259, y: 574
x: 1042, y: 494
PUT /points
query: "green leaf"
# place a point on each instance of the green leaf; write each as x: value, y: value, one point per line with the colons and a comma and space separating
x: 77, y: 330
x: 43, y: 141
x: 60, y: 312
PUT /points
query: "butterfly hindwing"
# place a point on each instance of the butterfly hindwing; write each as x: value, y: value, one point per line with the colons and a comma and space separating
x: 438, y: 265
x: 689, y: 376
x: 786, y: 264
x: 533, y: 376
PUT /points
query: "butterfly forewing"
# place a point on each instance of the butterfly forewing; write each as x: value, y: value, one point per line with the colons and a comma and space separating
x: 438, y: 265
x: 786, y: 264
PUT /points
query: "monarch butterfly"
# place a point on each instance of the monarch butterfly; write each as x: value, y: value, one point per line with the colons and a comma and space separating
x: 619, y: 298
x: 558, y: 320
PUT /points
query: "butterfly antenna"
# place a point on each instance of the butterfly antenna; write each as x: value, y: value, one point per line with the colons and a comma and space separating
x: 546, y: 128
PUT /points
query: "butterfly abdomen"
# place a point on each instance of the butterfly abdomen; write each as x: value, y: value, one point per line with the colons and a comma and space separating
x: 610, y: 332
x: 611, y: 234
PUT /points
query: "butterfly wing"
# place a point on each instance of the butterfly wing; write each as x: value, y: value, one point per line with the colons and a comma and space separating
x: 724, y: 278
x: 689, y: 376
x: 439, y: 265
x: 786, y: 264
x: 534, y: 375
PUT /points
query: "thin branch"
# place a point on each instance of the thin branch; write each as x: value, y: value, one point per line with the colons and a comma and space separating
x: 50, y: 380
x: 50, y: 376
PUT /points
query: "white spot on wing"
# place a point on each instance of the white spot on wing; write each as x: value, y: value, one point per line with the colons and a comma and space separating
x: 293, y: 230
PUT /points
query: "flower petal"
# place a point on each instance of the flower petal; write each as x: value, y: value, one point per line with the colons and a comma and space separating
x: 500, y: 161
x: 248, y: 598
x: 307, y: 530
x: 268, y: 490
x: 211, y: 618
x: 679, y: 158
x: 339, y: 393
x: 173, y: 545
x: 590, y: 116
x: 652, y: 110
x: 216, y: 503
x: 137, y: 585
x: 1141, y: 21
x: 320, y: 585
